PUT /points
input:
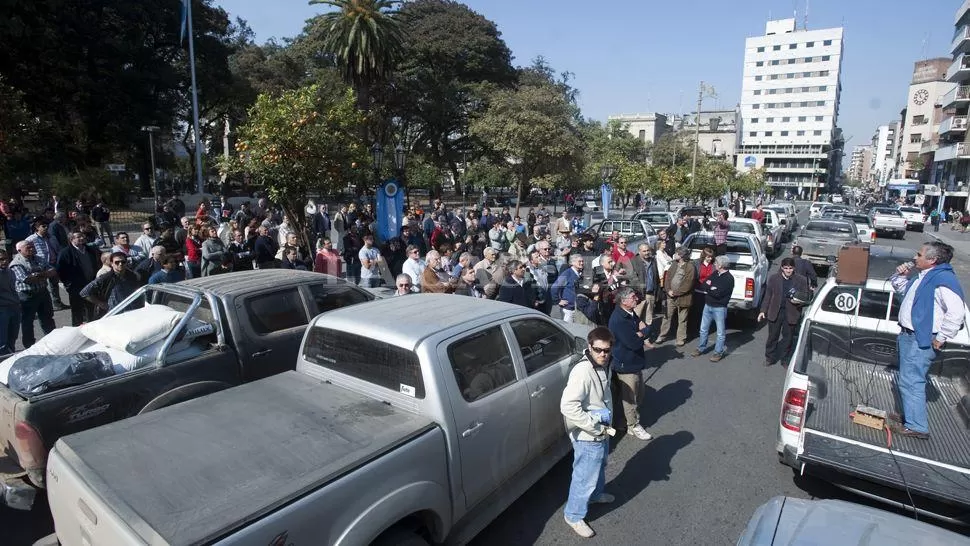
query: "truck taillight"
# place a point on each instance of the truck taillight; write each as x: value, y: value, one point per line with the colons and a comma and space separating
x: 749, y: 288
x: 872, y: 237
x: 793, y: 410
x: 29, y: 447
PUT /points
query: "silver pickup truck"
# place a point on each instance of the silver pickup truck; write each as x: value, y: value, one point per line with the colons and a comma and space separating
x: 410, y: 420
x: 821, y: 239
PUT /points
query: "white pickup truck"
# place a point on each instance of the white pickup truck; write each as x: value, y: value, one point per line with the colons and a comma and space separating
x: 392, y: 430
x: 914, y: 218
x: 749, y: 267
x: 888, y: 221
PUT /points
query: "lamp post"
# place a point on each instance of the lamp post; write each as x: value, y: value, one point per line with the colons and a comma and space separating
x: 400, y: 160
x: 708, y: 91
x: 377, y: 161
x: 151, y: 129
x: 464, y: 176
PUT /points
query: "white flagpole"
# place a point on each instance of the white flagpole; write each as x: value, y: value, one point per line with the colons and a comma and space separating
x: 195, y: 103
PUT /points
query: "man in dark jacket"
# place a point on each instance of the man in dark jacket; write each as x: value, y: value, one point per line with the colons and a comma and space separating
x: 646, y: 279
x: 516, y: 289
x: 629, y: 358
x: 77, y: 265
x: 717, y: 291
x: 264, y: 250
x: 779, y: 305
x: 804, y: 267
x: 111, y: 288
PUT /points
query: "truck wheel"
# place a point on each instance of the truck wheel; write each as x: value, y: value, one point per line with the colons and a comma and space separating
x: 400, y: 537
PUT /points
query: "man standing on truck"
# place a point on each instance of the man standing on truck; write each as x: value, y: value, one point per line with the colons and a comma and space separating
x: 779, y: 306
x: 587, y: 406
x: 932, y: 312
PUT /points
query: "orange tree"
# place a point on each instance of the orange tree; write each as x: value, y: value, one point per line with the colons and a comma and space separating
x: 298, y: 142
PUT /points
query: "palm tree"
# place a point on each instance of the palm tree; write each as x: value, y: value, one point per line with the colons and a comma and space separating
x: 366, y: 39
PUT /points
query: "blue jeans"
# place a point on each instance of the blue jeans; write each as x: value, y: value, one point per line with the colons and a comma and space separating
x: 589, y: 477
x: 914, y: 364
x: 719, y: 316
x: 9, y: 329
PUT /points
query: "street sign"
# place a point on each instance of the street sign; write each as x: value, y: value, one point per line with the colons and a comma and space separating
x: 115, y: 167
x: 750, y: 161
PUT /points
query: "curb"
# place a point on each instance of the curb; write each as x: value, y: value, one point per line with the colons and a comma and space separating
x: 960, y: 246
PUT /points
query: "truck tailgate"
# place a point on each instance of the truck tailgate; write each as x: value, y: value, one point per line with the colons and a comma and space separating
x: 191, y: 473
x: 937, y: 468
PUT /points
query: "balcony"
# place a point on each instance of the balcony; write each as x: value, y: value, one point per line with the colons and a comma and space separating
x: 928, y: 147
x: 953, y: 124
x: 962, y: 12
x: 958, y: 96
x: 959, y: 70
x: 961, y: 40
x: 951, y: 152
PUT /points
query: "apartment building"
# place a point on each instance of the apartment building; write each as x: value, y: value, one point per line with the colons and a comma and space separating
x: 952, y: 158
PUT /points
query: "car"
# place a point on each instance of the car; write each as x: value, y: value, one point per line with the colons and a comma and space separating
x: 842, y: 209
x: 914, y: 217
x: 837, y: 198
x: 751, y: 226
x: 773, y: 228
x: 822, y: 239
x: 888, y: 221
x: 816, y: 208
x: 636, y: 231
x: 846, y: 357
x: 867, y: 234
x: 748, y: 265
x: 659, y: 220
x: 788, y: 216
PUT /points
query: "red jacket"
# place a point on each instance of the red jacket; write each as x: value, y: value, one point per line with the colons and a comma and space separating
x: 193, y: 250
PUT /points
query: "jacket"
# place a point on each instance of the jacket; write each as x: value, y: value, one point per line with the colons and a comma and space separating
x: 71, y: 270
x: 585, y: 391
x: 775, y: 300
x: 565, y: 288
x: 924, y: 300
x: 511, y: 292
x: 647, y: 278
x: 213, y: 255
x: 718, y: 289
x: 681, y: 285
x: 805, y: 268
x: 628, y: 355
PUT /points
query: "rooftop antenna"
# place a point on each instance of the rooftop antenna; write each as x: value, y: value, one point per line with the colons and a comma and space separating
x: 805, y: 21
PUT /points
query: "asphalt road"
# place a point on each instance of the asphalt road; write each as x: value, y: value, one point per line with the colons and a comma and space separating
x: 710, y: 465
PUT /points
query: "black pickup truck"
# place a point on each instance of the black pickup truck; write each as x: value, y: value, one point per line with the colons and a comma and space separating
x: 258, y: 319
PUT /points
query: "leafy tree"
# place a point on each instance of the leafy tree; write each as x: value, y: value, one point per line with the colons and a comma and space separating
x: 299, y: 142
x: 750, y: 182
x: 532, y: 129
x: 669, y: 183
x: 671, y: 149
x: 366, y: 40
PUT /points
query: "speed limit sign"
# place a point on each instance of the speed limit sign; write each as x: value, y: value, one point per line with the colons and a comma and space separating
x: 846, y: 302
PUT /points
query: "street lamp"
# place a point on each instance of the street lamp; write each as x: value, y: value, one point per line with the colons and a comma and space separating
x: 151, y: 129
x: 464, y: 178
x: 400, y: 160
x: 377, y: 158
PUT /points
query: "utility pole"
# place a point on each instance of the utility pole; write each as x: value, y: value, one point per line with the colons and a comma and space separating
x: 150, y: 129
x: 697, y: 131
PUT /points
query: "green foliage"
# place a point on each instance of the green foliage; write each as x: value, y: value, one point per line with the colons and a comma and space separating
x: 750, y: 183
x: 486, y: 173
x: 671, y: 149
x: 91, y: 183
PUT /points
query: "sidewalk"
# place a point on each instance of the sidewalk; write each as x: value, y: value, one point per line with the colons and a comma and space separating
x: 958, y: 240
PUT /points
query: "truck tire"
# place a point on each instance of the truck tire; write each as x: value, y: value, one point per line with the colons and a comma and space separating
x: 399, y: 536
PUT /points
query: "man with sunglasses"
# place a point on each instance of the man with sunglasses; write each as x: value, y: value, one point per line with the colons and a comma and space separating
x: 587, y: 406
x: 111, y: 288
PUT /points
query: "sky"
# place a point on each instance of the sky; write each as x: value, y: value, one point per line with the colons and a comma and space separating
x: 629, y: 56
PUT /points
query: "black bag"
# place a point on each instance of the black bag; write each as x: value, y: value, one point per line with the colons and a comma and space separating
x: 37, y: 374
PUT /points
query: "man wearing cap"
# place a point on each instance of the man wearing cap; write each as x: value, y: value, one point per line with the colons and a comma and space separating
x: 518, y: 250
x: 678, y: 283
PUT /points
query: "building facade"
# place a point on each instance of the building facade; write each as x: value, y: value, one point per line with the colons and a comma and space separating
x: 860, y: 164
x: 921, y: 119
x: 951, y: 169
x: 790, y: 106
x: 716, y: 131
x: 883, y: 158
x: 646, y: 127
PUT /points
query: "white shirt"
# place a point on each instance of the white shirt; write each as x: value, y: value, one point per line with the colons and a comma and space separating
x: 370, y: 254
x: 948, y: 308
x: 414, y: 268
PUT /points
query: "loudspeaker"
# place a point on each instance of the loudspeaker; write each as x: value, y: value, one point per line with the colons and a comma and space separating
x: 853, y: 266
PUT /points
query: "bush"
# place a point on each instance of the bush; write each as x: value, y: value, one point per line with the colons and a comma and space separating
x: 90, y: 184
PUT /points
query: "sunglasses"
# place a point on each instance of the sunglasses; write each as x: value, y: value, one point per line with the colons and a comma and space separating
x: 601, y: 350
x: 404, y: 286
x: 117, y: 262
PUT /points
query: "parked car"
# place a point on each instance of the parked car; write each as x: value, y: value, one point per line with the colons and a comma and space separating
x: 888, y: 221
x: 748, y: 264
x: 821, y: 239
x: 636, y: 231
x: 774, y: 229
x: 391, y: 431
x: 787, y: 520
x: 816, y: 208
x: 659, y: 220
x: 750, y: 226
x: 257, y: 319
x: 846, y: 357
x: 867, y: 233
x: 788, y: 216
x: 914, y: 218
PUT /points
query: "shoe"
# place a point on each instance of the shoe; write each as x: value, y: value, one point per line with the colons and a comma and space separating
x: 659, y: 341
x: 648, y: 345
x: 716, y: 357
x: 60, y: 307
x: 696, y: 353
x: 581, y: 528
x: 604, y: 498
x: 903, y: 431
x: 641, y: 433
x: 681, y: 343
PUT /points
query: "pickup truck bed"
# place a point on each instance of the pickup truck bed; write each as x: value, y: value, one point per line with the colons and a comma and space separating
x: 296, y: 434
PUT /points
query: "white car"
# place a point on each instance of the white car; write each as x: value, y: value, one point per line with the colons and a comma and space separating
x: 786, y: 216
x: 752, y: 227
x: 816, y: 209
x: 914, y: 218
x: 773, y: 228
x: 749, y: 267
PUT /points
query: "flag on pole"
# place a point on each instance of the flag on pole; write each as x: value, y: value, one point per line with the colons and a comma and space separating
x: 185, y: 20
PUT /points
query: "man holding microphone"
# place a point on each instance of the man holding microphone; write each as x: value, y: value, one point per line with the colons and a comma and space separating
x: 932, y: 312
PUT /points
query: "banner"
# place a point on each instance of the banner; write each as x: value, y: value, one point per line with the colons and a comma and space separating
x: 390, y: 210
x: 606, y: 192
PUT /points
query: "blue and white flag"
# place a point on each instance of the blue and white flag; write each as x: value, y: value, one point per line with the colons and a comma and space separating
x: 606, y: 193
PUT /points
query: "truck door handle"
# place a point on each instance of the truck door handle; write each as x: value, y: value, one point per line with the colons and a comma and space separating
x: 264, y: 352
x: 472, y: 429
x: 538, y: 392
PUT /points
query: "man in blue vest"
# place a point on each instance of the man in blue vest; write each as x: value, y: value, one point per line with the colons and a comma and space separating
x: 931, y: 313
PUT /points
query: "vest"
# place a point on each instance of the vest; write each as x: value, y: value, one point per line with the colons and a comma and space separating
x: 923, y: 301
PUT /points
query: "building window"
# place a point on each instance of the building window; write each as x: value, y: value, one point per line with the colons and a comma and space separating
x: 919, y: 120
x: 759, y: 63
x: 823, y: 73
x: 761, y: 49
x: 768, y: 133
x: 823, y: 88
x: 776, y: 48
x: 915, y: 138
x: 817, y: 133
x: 808, y: 59
x: 784, y: 133
x: 800, y: 133
x: 827, y: 42
x: 787, y: 105
x: 820, y: 103
x: 753, y: 133
x: 757, y: 91
x: 769, y: 120
x: 754, y: 120
x: 819, y: 118
x: 755, y: 106
x: 775, y: 62
x: 786, y: 119
x: 810, y: 44
x: 826, y: 57
x: 643, y: 135
x: 791, y: 61
x: 773, y: 77
x: 788, y: 90
x: 772, y: 91
x: 802, y: 118
x: 758, y: 78
x: 792, y: 46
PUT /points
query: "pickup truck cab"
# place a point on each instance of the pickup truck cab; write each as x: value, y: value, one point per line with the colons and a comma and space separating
x: 749, y: 267
x: 816, y: 208
x: 658, y: 219
x: 256, y: 321
x: 390, y: 431
x: 787, y: 216
x: 636, y: 231
x: 914, y: 218
x: 888, y: 221
x: 752, y: 227
x: 846, y: 356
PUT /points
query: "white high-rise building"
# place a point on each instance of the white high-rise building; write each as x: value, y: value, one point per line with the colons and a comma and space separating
x: 790, y: 107
x: 860, y: 163
x: 883, y: 158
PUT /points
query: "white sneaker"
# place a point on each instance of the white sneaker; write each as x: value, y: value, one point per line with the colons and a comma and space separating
x: 581, y: 528
x: 604, y: 498
x: 641, y: 433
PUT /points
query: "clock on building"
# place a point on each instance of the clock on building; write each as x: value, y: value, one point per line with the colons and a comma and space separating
x: 920, y: 96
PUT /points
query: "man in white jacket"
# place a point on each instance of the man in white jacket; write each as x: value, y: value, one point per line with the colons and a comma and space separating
x: 587, y: 406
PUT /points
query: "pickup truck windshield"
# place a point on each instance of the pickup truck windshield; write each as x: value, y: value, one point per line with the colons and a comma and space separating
x: 887, y: 212
x: 830, y: 227
x: 741, y: 227
x: 366, y: 359
x: 734, y: 246
x: 909, y: 209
